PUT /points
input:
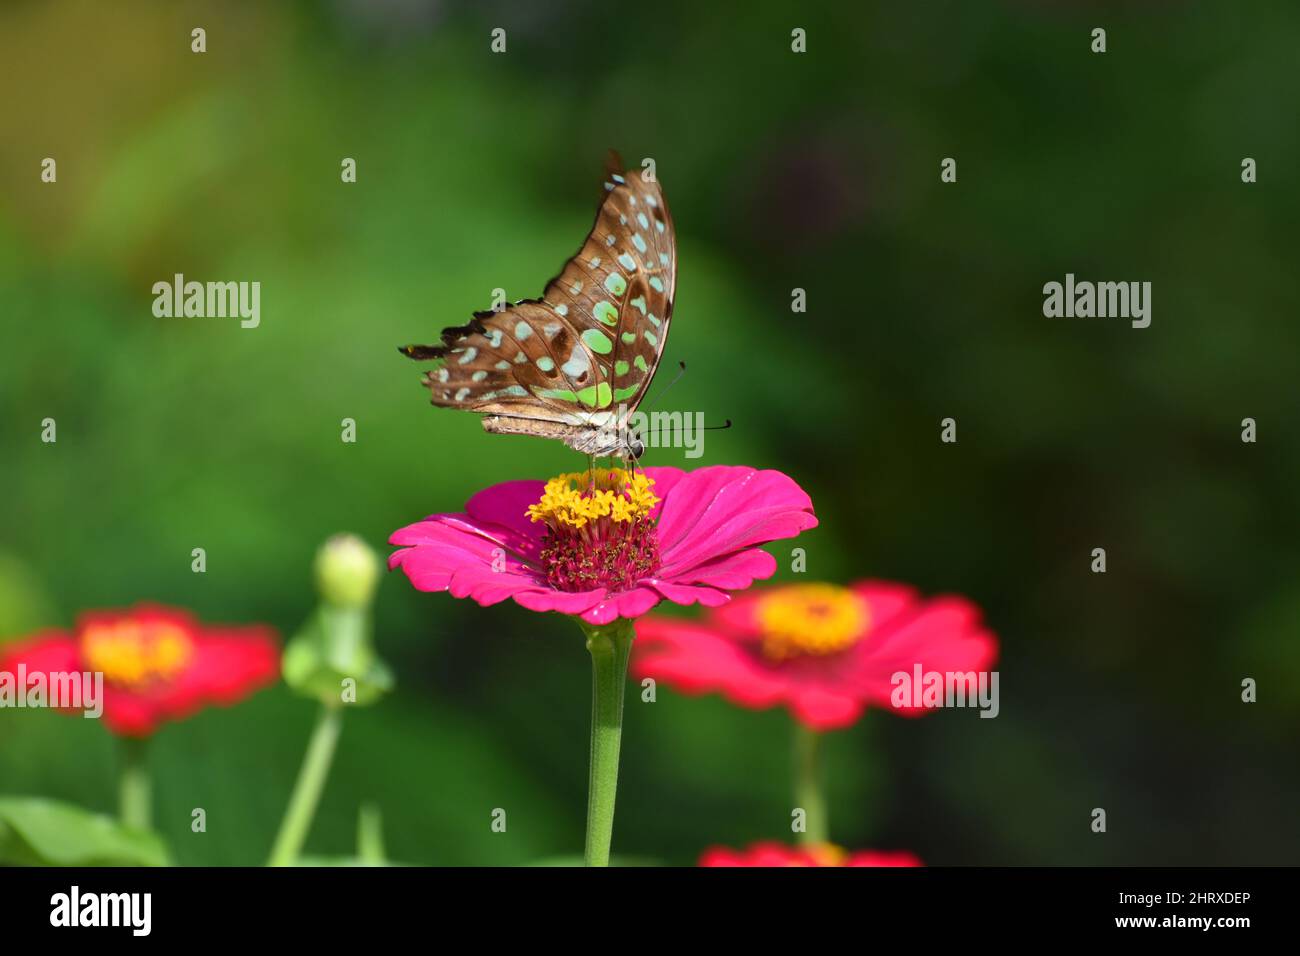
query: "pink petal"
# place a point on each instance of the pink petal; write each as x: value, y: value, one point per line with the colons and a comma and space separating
x: 451, y: 553
x: 883, y: 858
x: 506, y: 506
x: 885, y: 599
x: 694, y: 659
x: 693, y: 496
x: 629, y: 604
x: 825, y: 710
x: 47, y: 652
x: 228, y: 665
x: 473, y: 580
x: 688, y: 594
x: 731, y: 572
x: 453, y: 541
x: 720, y: 509
x: 460, y: 532
x: 941, y: 635
x: 432, y: 568
x: 740, y: 616
x: 665, y: 480
x: 566, y: 602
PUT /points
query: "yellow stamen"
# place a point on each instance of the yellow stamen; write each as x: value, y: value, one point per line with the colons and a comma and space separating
x: 582, y: 497
x: 827, y: 854
x: 136, y: 653
x: 815, y: 619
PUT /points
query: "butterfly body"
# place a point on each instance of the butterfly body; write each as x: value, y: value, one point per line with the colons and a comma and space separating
x: 601, y: 437
x: 573, y: 364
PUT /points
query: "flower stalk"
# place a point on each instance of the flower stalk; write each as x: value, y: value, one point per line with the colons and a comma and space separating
x: 308, y: 787
x: 135, y: 790
x: 610, y: 646
x: 807, y: 786
x: 333, y: 660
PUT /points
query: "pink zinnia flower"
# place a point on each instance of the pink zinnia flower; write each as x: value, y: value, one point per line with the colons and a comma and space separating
x: 824, y: 854
x: 159, y: 663
x: 826, y: 652
x: 610, y: 544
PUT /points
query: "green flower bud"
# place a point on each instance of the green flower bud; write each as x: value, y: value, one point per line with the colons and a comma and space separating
x: 347, y: 571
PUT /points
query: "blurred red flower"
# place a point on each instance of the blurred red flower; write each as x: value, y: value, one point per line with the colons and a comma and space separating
x: 826, y: 652
x: 159, y: 663
x: 824, y: 854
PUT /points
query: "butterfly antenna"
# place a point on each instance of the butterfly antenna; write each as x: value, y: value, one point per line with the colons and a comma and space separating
x: 706, y: 428
x: 663, y: 391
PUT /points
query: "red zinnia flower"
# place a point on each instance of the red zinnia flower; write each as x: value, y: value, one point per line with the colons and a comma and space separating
x: 610, y: 544
x: 826, y: 652
x: 824, y: 854
x: 159, y: 663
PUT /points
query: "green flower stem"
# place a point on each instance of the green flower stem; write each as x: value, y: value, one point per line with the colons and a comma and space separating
x: 135, y: 791
x: 807, y: 785
x: 370, y: 836
x: 610, y: 646
x: 307, y: 790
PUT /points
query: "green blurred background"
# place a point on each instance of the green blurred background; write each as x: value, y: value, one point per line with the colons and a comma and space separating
x: 818, y: 171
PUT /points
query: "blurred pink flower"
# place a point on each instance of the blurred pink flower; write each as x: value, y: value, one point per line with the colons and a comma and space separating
x: 824, y: 854
x: 609, y: 545
x: 158, y: 663
x: 826, y: 652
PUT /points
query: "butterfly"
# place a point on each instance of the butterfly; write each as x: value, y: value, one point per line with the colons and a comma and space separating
x: 573, y: 364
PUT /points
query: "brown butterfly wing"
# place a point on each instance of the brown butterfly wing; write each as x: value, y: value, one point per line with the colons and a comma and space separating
x: 593, y: 340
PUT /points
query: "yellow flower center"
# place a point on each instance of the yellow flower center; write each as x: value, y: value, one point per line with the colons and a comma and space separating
x: 827, y: 854
x: 578, y: 499
x: 136, y: 653
x: 598, y: 530
x: 810, y: 619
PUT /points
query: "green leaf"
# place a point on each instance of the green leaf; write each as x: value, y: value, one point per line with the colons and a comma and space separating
x: 35, y: 831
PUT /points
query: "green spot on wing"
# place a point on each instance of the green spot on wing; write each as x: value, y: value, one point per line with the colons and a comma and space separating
x: 597, y: 341
x: 605, y: 312
x: 596, y: 396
